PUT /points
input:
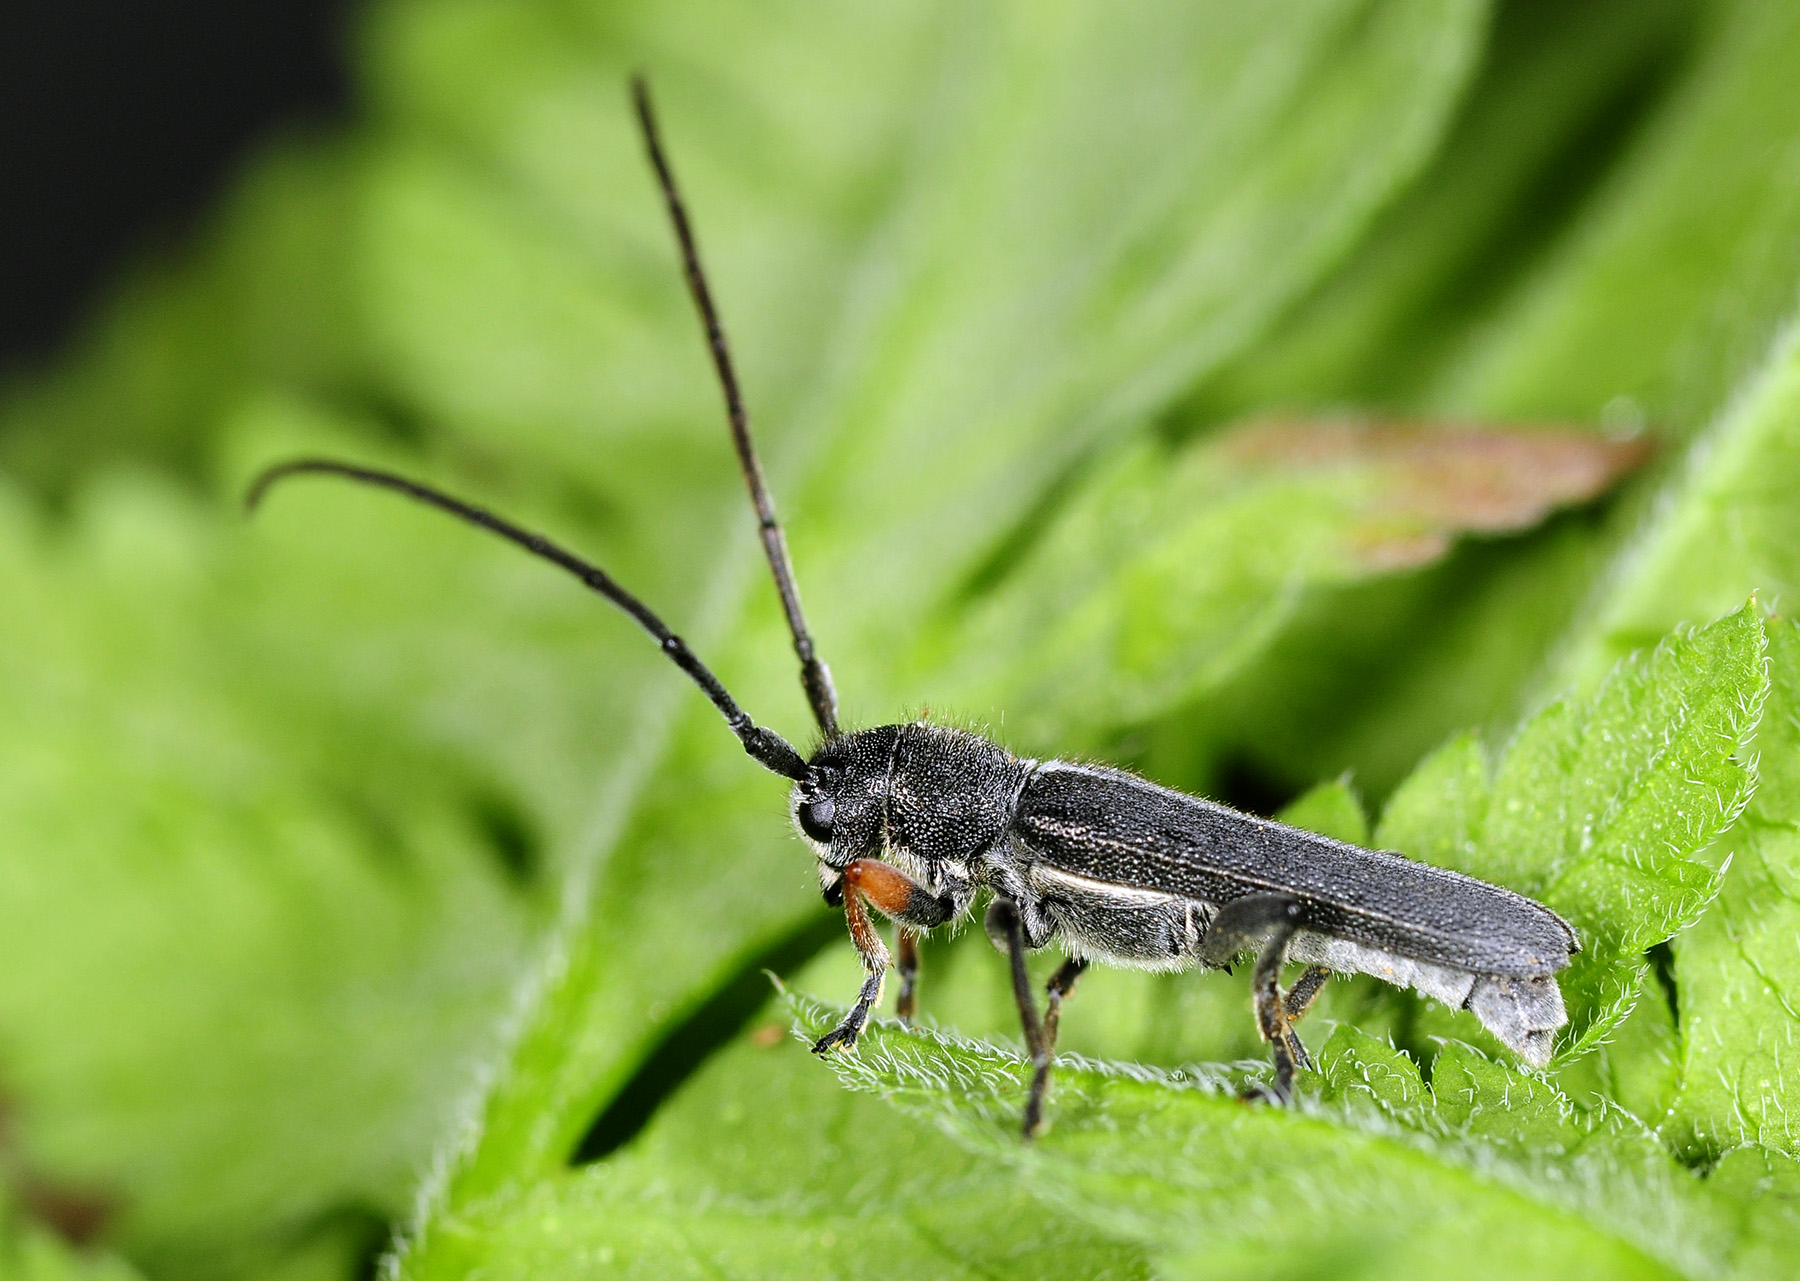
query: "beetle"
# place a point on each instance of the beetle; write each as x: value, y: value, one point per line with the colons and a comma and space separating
x: 917, y: 820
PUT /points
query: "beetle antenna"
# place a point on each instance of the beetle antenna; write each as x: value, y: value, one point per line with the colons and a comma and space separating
x: 815, y: 677
x: 767, y: 747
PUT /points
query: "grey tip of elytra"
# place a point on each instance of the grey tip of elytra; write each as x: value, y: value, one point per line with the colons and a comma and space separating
x: 1538, y: 1048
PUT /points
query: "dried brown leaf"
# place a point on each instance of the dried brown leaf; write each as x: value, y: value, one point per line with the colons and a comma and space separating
x: 1427, y: 482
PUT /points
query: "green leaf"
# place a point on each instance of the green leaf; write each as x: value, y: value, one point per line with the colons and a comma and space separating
x: 1699, y: 194
x: 1167, y: 575
x: 763, y: 1167
x: 1532, y: 272
x: 1737, y: 973
x: 1606, y: 806
x: 32, y: 1254
x: 1759, y: 1188
x: 1330, y: 809
x: 1612, y: 244
x: 1730, y: 523
x: 282, y: 812
x: 1727, y: 525
x: 914, y: 221
x: 1489, y: 1170
x: 247, y: 967
x: 1559, y: 85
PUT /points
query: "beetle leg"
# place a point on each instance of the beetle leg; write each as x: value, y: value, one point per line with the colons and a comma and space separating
x: 1266, y: 922
x: 1271, y: 1015
x: 906, y: 1004
x: 1300, y: 997
x: 896, y: 895
x: 1003, y: 923
x: 874, y: 955
x: 1057, y: 990
x: 1244, y: 924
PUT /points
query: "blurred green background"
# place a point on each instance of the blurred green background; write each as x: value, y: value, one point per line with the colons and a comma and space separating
x: 359, y: 875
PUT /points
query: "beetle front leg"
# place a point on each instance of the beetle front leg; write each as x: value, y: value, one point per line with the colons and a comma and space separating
x: 896, y: 895
x: 1267, y: 923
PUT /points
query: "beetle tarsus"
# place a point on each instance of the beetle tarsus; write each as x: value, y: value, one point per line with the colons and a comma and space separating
x: 843, y: 1036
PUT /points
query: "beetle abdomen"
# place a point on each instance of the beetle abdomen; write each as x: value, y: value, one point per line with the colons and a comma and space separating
x: 1523, y: 1013
x: 1115, y: 923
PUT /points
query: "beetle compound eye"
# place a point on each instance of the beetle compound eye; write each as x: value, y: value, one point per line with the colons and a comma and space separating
x: 815, y: 819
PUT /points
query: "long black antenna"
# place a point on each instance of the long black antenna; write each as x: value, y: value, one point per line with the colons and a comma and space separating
x: 815, y: 677
x: 767, y: 747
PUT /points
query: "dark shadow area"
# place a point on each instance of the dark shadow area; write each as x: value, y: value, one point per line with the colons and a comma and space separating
x: 1662, y: 967
x: 695, y: 1039
x: 1244, y: 785
x: 1370, y: 678
x: 362, y: 1232
x: 509, y: 832
x: 120, y: 119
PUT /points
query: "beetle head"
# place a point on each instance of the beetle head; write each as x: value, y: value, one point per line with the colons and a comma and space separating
x: 840, y: 807
x: 925, y: 793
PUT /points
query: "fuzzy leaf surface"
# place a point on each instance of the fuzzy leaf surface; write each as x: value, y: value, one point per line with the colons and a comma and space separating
x: 1730, y: 522
x: 1487, y: 1170
x: 764, y: 1167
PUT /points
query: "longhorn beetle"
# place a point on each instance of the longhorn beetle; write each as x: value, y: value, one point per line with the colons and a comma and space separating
x: 916, y: 819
